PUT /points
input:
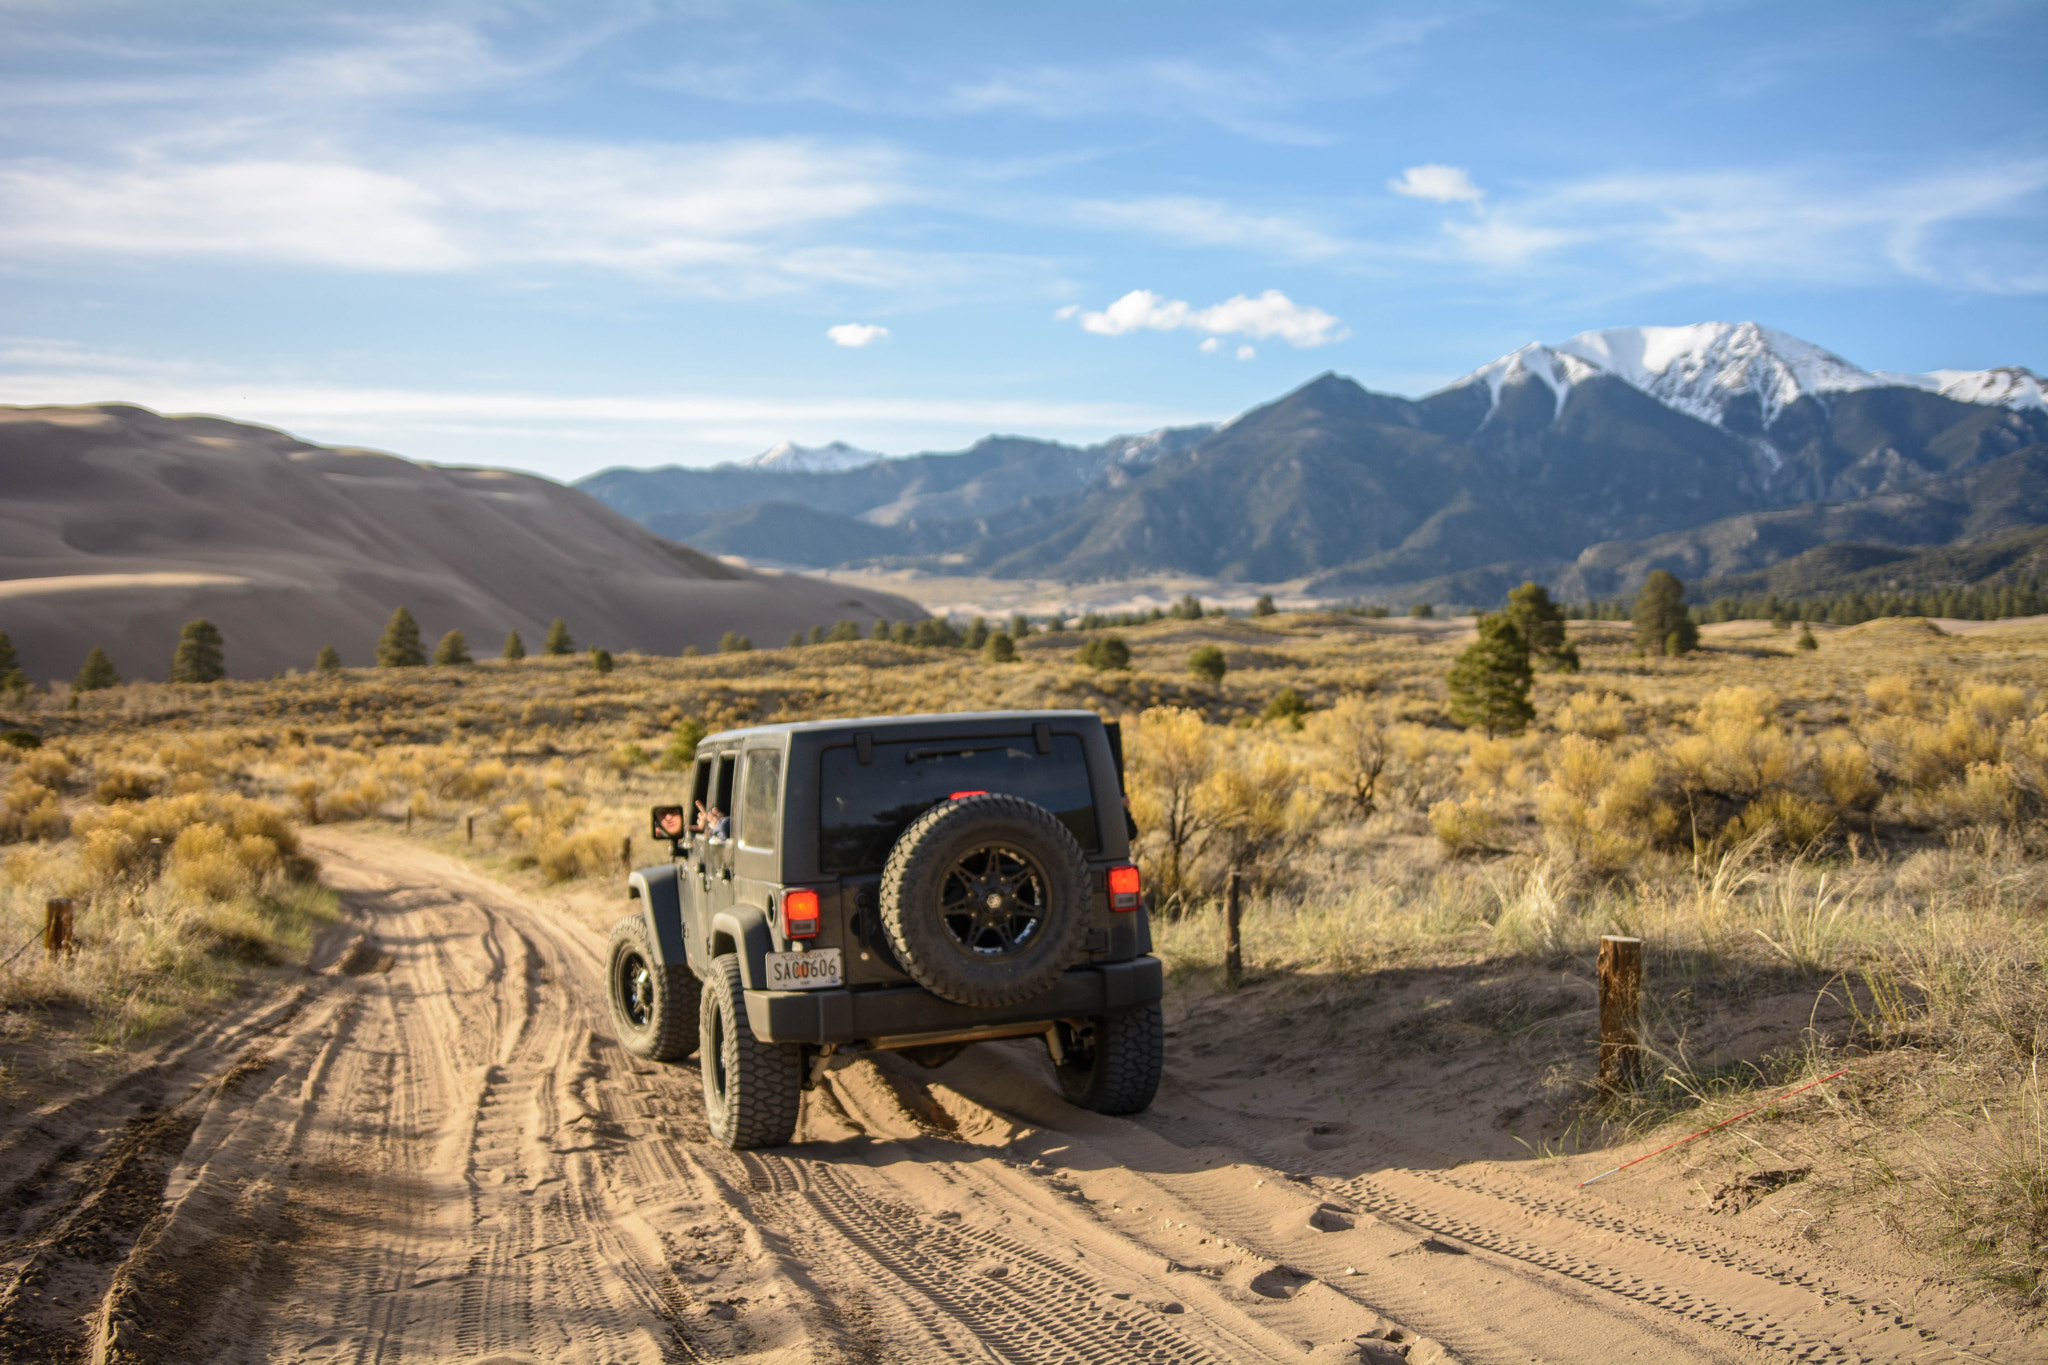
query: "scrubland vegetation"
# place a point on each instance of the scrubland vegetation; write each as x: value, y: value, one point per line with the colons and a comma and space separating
x: 1851, y: 835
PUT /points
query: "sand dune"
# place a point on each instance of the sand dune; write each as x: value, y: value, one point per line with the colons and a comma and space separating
x: 118, y: 524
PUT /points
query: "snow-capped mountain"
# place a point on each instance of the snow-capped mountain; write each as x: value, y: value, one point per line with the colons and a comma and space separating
x: 1717, y: 370
x: 790, y: 458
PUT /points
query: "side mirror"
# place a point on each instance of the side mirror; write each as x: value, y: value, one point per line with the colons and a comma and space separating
x: 670, y: 822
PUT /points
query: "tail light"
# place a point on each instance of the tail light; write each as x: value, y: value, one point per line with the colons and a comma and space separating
x: 1125, y: 888
x: 962, y: 796
x: 800, y: 914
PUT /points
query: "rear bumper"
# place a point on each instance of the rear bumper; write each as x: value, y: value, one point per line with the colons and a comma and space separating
x: 845, y: 1016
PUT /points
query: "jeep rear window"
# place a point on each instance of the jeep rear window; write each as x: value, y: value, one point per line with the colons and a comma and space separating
x: 866, y: 807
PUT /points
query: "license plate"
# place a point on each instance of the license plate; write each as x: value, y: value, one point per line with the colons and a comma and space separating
x: 804, y: 971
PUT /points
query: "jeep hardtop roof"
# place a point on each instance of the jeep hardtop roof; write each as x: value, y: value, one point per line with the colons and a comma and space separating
x: 926, y: 724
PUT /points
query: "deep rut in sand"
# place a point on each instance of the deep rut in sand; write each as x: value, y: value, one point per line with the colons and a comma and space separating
x: 437, y: 1152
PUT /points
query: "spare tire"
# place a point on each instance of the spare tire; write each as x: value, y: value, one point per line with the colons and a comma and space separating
x: 985, y: 899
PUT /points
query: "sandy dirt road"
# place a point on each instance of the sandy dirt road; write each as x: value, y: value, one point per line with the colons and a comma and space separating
x: 435, y: 1151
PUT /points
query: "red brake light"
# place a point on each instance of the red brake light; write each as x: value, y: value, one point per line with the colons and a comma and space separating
x: 1125, y: 888
x: 955, y: 796
x: 800, y: 914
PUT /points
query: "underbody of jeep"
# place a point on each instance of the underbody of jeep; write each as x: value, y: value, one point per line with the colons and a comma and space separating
x: 912, y: 883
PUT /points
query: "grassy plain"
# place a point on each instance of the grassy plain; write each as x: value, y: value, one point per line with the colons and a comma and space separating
x: 1835, y: 857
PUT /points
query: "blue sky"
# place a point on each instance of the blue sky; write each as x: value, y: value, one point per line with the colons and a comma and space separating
x: 563, y: 237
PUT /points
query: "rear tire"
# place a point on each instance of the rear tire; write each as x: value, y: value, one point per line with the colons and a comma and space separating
x: 752, y: 1090
x: 654, y: 1007
x: 1111, y: 1063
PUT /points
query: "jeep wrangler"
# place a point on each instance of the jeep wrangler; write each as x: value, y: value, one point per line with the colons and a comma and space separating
x: 913, y: 884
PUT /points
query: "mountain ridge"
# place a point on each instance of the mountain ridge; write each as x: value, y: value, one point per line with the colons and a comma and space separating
x: 1614, y: 436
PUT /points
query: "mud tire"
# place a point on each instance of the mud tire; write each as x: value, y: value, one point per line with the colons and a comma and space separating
x: 752, y: 1090
x: 654, y: 1007
x: 1111, y: 1064
x: 926, y: 866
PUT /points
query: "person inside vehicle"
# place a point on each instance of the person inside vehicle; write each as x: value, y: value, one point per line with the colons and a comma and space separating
x: 713, y: 822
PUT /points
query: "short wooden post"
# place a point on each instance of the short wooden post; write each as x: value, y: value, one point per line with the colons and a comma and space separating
x: 57, y: 926
x: 408, y: 819
x: 1621, y: 1012
x: 626, y: 853
x: 1233, y: 917
x: 469, y: 829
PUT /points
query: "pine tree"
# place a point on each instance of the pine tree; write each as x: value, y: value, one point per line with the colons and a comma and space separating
x: 842, y: 631
x: 1663, y: 625
x: 453, y: 649
x: 1422, y: 611
x: 328, y: 660
x: 199, y: 657
x: 1541, y: 624
x: 1264, y: 606
x: 796, y: 638
x: 1805, y: 640
x: 12, y: 679
x: 977, y: 633
x: 558, y: 642
x: 600, y: 659
x: 399, y: 646
x: 1489, y: 683
x: 732, y: 642
x: 1020, y: 626
x: 999, y: 648
x: 515, y: 648
x: 880, y: 632
x: 1208, y: 664
x: 96, y: 673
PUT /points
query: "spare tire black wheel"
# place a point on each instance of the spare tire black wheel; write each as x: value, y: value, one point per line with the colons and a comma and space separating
x: 985, y: 899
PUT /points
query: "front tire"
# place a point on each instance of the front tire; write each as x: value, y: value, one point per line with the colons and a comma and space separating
x: 752, y: 1090
x: 654, y: 1007
x: 1111, y: 1064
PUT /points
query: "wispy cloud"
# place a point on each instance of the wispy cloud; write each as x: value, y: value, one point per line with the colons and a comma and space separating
x: 422, y: 421
x: 1269, y: 315
x: 746, y: 208
x: 1211, y: 222
x: 1721, y: 227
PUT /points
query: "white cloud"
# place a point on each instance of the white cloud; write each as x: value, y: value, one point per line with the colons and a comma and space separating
x: 1442, y: 184
x: 1247, y: 353
x: 1209, y: 347
x: 1270, y: 315
x: 855, y: 334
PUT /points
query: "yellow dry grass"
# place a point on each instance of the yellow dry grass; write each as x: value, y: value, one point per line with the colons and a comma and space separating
x: 1756, y: 813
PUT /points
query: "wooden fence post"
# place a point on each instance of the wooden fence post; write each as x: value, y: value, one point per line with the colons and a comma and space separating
x: 408, y: 819
x: 626, y: 854
x: 57, y: 926
x: 1233, y: 917
x: 469, y: 829
x: 1621, y: 1012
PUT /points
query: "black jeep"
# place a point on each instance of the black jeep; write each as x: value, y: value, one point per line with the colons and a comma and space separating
x: 905, y: 883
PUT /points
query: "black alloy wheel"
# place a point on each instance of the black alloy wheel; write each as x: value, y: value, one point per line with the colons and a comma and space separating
x: 993, y: 901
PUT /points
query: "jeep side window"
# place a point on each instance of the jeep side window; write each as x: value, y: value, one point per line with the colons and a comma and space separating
x: 700, y: 788
x: 721, y: 798
x: 759, y: 809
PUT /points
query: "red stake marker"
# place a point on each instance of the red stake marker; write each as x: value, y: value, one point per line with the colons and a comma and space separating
x: 1711, y: 1127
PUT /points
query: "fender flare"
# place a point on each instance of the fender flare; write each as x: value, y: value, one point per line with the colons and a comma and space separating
x: 743, y: 931
x: 661, y: 904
